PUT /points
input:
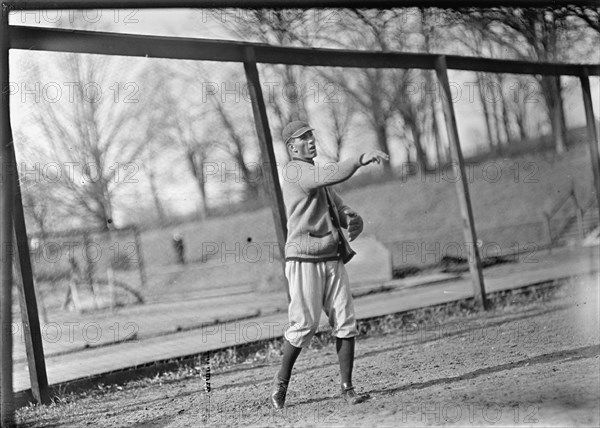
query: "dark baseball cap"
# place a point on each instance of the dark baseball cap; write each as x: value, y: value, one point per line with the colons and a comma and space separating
x: 294, y: 130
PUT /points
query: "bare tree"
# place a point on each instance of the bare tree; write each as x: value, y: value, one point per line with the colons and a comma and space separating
x: 33, y: 205
x: 538, y: 34
x: 181, y: 119
x: 88, y: 134
x: 340, y: 115
x: 590, y: 15
x: 286, y: 85
x: 430, y: 31
x: 206, y: 127
x: 239, y: 150
x: 378, y: 93
x: 150, y: 168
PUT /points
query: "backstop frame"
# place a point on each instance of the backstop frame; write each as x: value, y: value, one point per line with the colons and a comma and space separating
x: 250, y: 54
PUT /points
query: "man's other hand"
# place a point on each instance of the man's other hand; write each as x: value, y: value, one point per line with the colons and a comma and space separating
x: 355, y: 224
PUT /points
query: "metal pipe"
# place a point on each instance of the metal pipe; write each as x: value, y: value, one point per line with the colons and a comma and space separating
x: 592, y: 134
x: 105, y: 43
x: 462, y: 185
x: 289, y: 4
x: 6, y: 233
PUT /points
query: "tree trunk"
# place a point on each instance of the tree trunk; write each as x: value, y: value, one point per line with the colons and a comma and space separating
x: 157, y: 203
x: 509, y: 137
x: 561, y: 109
x: 503, y: 114
x: 495, y: 122
x: 197, y: 172
x: 521, y: 118
x: 420, y: 153
x: 486, y: 115
x: 382, y: 141
x: 106, y: 214
x: 555, y: 112
x: 442, y: 152
x: 436, y: 139
x: 293, y: 96
x: 252, y: 183
x: 435, y: 126
x: 499, y: 120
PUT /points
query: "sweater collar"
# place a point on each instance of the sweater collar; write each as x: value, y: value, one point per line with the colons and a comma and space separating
x: 312, y: 162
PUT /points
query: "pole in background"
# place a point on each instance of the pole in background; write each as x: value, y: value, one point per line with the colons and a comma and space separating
x: 6, y: 232
x: 462, y: 186
x: 265, y: 141
x: 591, y: 131
x: 140, y: 257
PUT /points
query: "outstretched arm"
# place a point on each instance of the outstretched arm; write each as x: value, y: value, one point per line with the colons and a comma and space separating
x: 336, y: 172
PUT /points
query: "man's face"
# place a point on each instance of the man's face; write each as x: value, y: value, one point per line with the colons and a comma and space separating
x: 303, y: 147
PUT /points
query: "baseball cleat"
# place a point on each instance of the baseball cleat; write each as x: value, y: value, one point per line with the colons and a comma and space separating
x: 278, y: 392
x: 350, y: 395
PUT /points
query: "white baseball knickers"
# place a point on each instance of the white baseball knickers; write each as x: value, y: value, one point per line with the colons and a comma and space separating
x: 315, y: 287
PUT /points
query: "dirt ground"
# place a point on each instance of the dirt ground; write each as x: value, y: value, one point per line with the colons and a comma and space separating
x: 534, y: 365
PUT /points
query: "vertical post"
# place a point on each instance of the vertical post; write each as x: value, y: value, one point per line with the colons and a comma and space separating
x: 140, y: 255
x: 462, y: 185
x: 578, y: 214
x: 28, y: 302
x: 265, y: 143
x: 580, y: 230
x: 548, y: 230
x: 6, y: 232
x: 591, y: 130
x: 89, y: 269
x: 111, y: 287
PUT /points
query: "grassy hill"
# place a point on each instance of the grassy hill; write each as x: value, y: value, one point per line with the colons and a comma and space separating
x: 417, y: 217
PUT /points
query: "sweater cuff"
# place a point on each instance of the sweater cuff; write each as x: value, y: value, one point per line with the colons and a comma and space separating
x: 360, y: 160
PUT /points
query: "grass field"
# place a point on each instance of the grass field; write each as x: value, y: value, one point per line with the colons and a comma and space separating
x: 423, y: 205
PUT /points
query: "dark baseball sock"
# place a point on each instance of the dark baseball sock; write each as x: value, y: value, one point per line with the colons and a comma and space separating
x: 345, y: 351
x: 290, y: 353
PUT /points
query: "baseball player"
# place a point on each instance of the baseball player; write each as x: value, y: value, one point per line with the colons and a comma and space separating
x: 315, y: 253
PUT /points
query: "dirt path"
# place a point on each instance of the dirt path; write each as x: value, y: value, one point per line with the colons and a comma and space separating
x: 537, y: 365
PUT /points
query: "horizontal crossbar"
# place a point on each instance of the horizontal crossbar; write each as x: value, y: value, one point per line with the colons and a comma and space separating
x: 104, y: 43
x: 278, y: 4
